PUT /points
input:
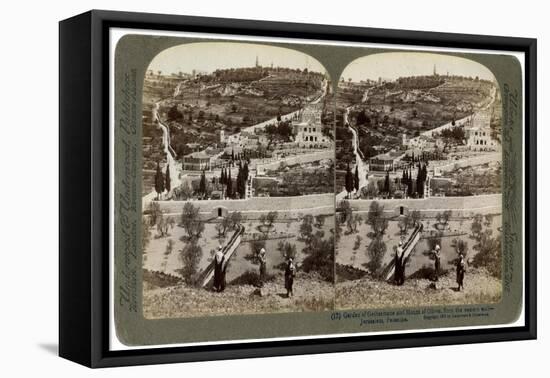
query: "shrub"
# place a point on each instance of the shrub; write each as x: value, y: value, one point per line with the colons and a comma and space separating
x: 319, y: 256
x: 191, y: 256
x: 489, y: 254
x: 376, y: 251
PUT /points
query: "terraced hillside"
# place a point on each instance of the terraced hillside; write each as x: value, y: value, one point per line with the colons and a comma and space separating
x: 409, y: 105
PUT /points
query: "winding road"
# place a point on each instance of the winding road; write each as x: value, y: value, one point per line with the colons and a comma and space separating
x: 168, y: 151
x: 461, y: 121
x: 289, y: 116
x: 175, y: 172
x: 362, y: 165
x: 359, y: 162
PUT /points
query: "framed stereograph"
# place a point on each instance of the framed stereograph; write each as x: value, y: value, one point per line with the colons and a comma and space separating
x: 233, y: 188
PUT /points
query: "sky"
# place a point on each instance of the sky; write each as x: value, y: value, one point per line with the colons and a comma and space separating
x: 395, y: 64
x: 209, y: 56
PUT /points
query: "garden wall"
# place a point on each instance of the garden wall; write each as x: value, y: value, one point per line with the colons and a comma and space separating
x: 429, y: 207
x: 253, y: 208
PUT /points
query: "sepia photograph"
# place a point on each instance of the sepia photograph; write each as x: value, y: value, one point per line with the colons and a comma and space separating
x: 419, y: 182
x: 238, y: 182
x: 238, y: 188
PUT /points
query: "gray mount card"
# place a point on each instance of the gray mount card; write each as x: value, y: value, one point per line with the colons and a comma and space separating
x: 267, y: 189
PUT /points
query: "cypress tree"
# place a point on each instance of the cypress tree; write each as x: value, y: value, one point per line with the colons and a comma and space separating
x: 349, y: 181
x: 229, y: 191
x: 409, y: 184
x: 246, y: 171
x: 419, y: 184
x: 387, y: 182
x: 202, y: 185
x: 159, y: 181
x: 239, y: 181
x: 167, y: 181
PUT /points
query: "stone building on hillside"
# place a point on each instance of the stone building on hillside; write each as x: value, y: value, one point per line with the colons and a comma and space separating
x: 205, y: 160
x: 478, y: 135
x: 479, y: 139
x: 308, y: 130
x: 386, y: 162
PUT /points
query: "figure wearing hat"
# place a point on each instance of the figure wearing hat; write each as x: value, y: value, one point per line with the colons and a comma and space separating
x: 290, y: 273
x: 460, y: 271
x: 263, y: 265
x: 437, y: 261
x: 219, y: 270
x: 399, y: 270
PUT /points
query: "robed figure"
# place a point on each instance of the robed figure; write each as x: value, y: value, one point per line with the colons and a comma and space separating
x: 290, y: 273
x: 263, y: 266
x: 437, y: 261
x: 219, y: 271
x: 399, y: 265
x: 460, y: 270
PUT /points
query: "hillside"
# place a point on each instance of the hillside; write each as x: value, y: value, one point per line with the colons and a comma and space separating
x: 479, y: 287
x: 197, y: 108
x: 384, y: 112
x: 310, y: 294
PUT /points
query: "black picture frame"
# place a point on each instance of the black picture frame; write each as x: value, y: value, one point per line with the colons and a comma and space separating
x: 84, y: 218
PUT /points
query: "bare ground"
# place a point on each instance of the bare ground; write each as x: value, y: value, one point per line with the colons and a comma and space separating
x: 310, y: 294
x: 479, y: 288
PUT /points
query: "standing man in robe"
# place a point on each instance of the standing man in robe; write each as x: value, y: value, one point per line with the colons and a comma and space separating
x: 219, y: 271
x: 399, y: 270
x: 460, y: 270
x: 263, y: 266
x: 290, y: 273
x: 437, y: 261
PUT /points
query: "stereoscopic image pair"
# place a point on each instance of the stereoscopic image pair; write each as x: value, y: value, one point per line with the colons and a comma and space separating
x: 269, y: 186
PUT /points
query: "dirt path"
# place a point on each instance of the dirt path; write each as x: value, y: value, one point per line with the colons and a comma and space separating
x: 175, y: 171
x: 359, y: 162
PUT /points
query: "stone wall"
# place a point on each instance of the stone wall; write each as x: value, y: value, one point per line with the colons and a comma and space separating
x: 429, y: 207
x: 253, y: 208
